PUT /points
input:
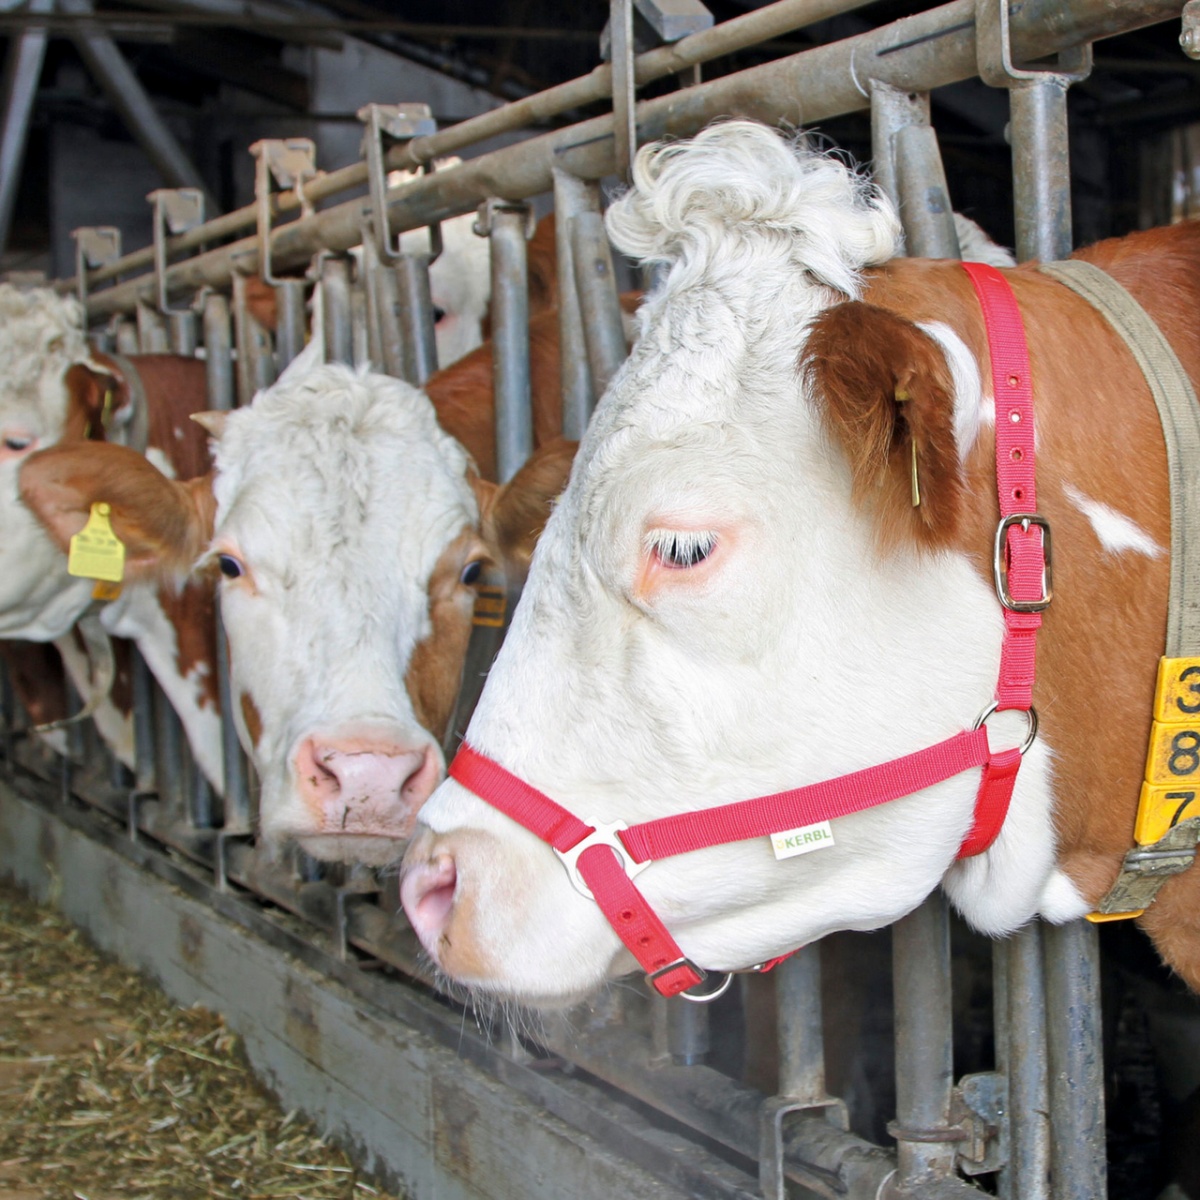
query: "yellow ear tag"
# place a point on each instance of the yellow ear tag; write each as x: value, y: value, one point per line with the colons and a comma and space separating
x: 96, y: 552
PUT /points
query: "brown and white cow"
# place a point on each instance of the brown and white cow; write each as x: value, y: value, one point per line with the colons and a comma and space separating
x: 735, y: 594
x: 54, y: 388
x: 350, y: 529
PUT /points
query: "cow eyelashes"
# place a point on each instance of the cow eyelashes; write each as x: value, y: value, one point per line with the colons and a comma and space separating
x: 229, y: 566
x: 681, y: 548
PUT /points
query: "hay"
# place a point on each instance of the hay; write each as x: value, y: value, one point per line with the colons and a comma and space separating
x: 108, y: 1090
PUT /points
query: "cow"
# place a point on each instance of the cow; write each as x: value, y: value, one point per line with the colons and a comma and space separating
x: 351, y: 531
x: 56, y: 388
x: 772, y: 566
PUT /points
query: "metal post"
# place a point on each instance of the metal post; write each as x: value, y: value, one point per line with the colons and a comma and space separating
x: 255, y: 357
x: 143, y: 725
x: 624, y: 84
x: 416, y: 317
x: 116, y: 77
x: 218, y: 352
x: 168, y: 755
x: 385, y: 338
x: 924, y: 1058
x: 22, y: 70
x: 599, y: 304
x: 335, y: 296
x: 151, y: 331
x: 238, y: 815
x: 126, y: 337
x: 1041, y: 168
x: 571, y: 197
x: 801, y: 1065
x: 291, y: 323
x: 908, y: 167
x: 182, y: 333
x: 508, y: 227
x: 1020, y: 1008
x: 1077, y: 1143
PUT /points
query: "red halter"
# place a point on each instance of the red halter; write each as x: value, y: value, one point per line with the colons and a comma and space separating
x: 603, y: 860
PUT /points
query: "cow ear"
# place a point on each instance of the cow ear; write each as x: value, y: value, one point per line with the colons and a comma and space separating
x: 91, y: 399
x: 164, y: 525
x: 514, y: 515
x: 886, y: 394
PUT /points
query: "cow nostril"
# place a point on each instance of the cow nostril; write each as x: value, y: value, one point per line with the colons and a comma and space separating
x: 427, y: 892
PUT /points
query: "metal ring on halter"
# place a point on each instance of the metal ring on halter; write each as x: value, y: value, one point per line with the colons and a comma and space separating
x: 709, y: 997
x: 1030, y: 716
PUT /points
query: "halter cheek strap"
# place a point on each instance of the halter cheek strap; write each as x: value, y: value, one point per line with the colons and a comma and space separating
x: 603, y: 860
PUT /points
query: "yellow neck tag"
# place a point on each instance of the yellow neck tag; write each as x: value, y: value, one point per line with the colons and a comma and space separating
x: 96, y: 552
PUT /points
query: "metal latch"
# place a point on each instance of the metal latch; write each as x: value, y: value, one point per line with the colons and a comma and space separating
x: 291, y: 163
x: 772, y: 1172
x: 176, y: 210
x: 393, y: 123
x: 95, y: 246
x: 977, y: 1126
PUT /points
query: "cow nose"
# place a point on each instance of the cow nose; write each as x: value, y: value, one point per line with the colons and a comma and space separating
x: 339, y: 777
x: 427, y: 893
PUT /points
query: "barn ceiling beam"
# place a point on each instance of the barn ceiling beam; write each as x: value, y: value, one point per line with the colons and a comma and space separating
x: 116, y: 77
x: 22, y: 71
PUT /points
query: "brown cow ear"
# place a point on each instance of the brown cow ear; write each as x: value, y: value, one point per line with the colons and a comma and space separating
x: 887, y: 397
x: 92, y: 397
x: 514, y: 515
x: 165, y: 526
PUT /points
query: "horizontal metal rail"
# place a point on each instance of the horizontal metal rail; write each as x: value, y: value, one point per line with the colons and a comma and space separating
x: 921, y: 52
x: 785, y: 16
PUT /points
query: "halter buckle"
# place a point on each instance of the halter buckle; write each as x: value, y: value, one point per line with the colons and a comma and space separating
x: 1000, y: 563
x: 602, y: 835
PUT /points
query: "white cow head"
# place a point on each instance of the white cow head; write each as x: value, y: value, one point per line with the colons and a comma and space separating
x: 41, y: 335
x: 349, y: 530
x: 710, y: 616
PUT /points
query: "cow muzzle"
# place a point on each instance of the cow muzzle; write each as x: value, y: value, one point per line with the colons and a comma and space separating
x: 353, y: 788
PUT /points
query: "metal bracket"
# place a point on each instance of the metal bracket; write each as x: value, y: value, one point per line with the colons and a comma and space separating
x: 291, y: 163
x: 221, y: 856
x: 343, y: 897
x: 976, y: 1126
x: 772, y: 1175
x: 1189, y: 36
x: 395, y: 123
x: 993, y: 52
x: 176, y: 210
x: 980, y: 1102
x: 95, y: 246
x: 671, y: 20
x: 485, y: 217
x: 133, y: 805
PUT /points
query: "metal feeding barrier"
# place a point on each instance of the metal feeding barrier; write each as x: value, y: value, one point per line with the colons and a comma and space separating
x: 1033, y: 1118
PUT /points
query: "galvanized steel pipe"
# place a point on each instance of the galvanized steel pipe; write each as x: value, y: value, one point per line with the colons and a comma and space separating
x: 930, y: 49
x: 507, y: 226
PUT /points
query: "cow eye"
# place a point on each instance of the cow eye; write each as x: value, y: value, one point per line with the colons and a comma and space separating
x: 471, y: 572
x: 17, y: 443
x: 682, y: 548
x: 230, y: 567
x: 439, y: 315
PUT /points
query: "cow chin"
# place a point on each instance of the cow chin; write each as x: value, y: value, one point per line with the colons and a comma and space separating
x: 367, y: 850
